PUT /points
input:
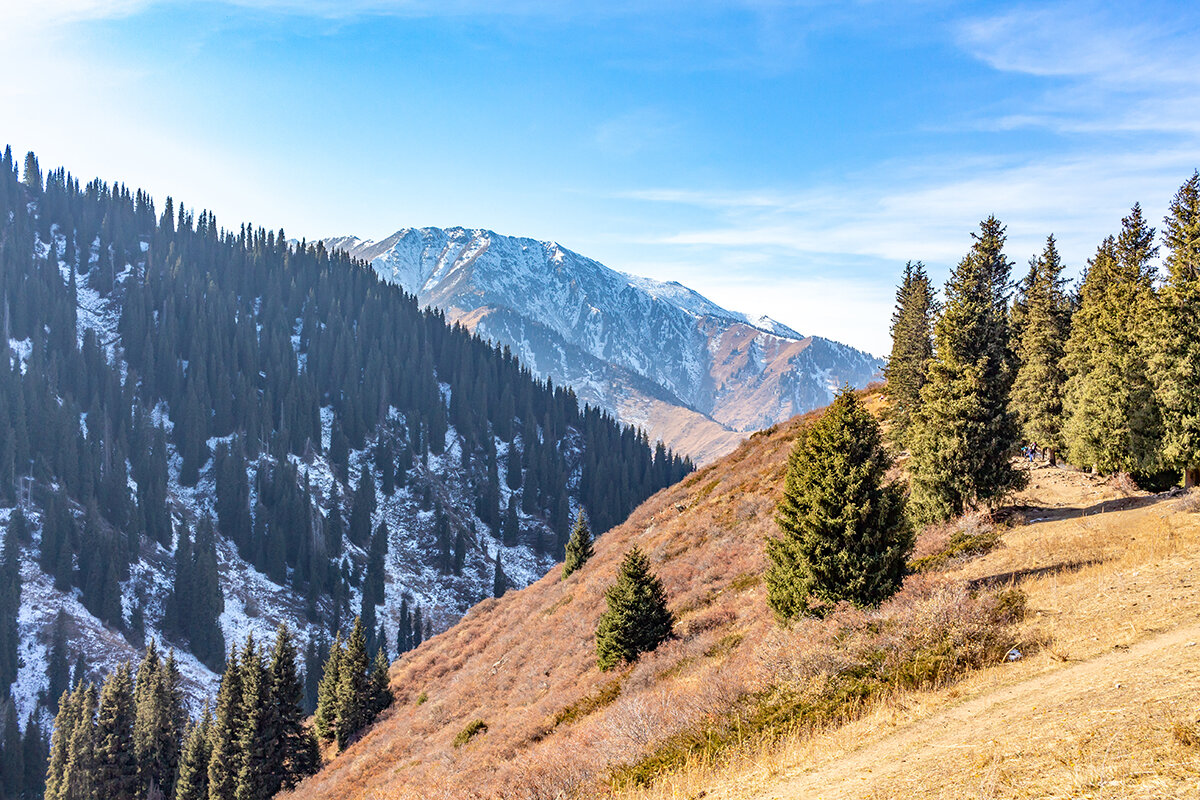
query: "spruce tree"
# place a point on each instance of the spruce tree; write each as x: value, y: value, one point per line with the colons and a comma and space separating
x: 912, y: 345
x: 636, y: 620
x: 579, y: 547
x: 325, y: 719
x: 499, y: 587
x: 116, y: 762
x: 352, y: 696
x: 10, y: 598
x: 292, y: 758
x: 79, y: 775
x: 58, y: 670
x: 70, y: 714
x: 35, y: 755
x: 1039, y: 387
x: 1113, y: 422
x: 12, y: 754
x: 1174, y: 346
x: 225, y: 734
x: 844, y: 533
x: 965, y: 434
x: 156, y: 725
x: 258, y: 742
x: 379, y: 692
x: 193, y: 762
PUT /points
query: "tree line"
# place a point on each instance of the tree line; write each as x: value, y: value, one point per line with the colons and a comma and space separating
x: 1107, y: 374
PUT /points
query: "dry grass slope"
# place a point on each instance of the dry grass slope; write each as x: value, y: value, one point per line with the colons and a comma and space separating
x: 912, y: 700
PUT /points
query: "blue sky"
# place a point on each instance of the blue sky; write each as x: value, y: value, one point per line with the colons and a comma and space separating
x: 781, y: 157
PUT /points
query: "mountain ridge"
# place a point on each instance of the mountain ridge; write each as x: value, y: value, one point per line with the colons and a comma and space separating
x: 715, y: 375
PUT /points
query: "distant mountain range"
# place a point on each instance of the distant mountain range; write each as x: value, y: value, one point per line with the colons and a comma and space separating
x: 658, y: 355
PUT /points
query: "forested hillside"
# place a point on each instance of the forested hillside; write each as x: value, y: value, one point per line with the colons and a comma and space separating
x: 206, y: 432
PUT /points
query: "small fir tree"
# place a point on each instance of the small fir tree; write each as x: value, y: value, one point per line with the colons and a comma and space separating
x: 844, y: 533
x: 579, y: 546
x: 637, y: 620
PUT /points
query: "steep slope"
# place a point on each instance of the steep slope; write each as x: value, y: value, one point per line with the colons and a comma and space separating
x: 167, y: 383
x: 1102, y: 568
x: 657, y: 354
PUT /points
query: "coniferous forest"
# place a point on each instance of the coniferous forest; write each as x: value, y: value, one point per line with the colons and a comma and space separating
x: 153, y: 354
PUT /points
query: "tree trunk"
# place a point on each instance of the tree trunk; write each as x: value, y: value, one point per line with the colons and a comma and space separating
x: 1052, y: 456
x: 1191, y: 477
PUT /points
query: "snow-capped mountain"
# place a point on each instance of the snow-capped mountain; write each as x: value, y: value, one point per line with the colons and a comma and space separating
x: 659, y: 355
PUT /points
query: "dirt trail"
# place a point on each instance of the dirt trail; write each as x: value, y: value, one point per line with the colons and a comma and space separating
x: 1108, y: 692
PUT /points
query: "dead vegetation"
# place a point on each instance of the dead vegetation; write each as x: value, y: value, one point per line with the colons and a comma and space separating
x: 735, y: 705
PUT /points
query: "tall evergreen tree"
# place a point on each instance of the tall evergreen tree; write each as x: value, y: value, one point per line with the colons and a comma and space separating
x: 10, y: 598
x: 258, y: 743
x: 116, y: 762
x: 844, y: 533
x: 579, y: 547
x: 352, y: 695
x: 1113, y: 422
x: 1174, y: 346
x: 59, y: 668
x: 1040, y: 383
x: 194, y: 760
x: 325, y: 718
x: 912, y: 345
x: 636, y: 620
x: 226, y: 734
x: 965, y: 432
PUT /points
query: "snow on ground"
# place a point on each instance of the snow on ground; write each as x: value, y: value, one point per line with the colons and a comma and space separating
x: 255, y: 605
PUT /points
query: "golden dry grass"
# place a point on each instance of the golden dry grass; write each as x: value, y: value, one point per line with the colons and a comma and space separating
x: 1100, y: 706
x: 1097, y: 580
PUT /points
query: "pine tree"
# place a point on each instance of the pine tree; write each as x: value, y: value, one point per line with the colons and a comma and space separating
x: 35, y: 755
x: 79, y: 774
x: 70, y: 714
x: 912, y: 345
x: 352, y: 696
x: 225, y: 734
x: 292, y: 759
x: 326, y: 716
x: 511, y: 530
x: 59, y: 669
x: 1113, y: 422
x: 258, y: 742
x: 10, y: 598
x: 1040, y: 384
x: 637, y: 620
x: 499, y: 587
x: 965, y: 434
x: 844, y: 534
x: 579, y: 547
x: 116, y: 762
x: 1174, y: 347
x: 12, y: 753
x: 194, y: 760
x: 155, y: 729
x: 378, y: 690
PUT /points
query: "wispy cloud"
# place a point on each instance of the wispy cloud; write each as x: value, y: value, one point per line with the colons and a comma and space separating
x: 894, y: 214
x: 1111, y: 70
